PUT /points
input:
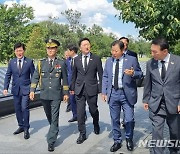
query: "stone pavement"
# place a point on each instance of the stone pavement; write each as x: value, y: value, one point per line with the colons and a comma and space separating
x: 66, y: 142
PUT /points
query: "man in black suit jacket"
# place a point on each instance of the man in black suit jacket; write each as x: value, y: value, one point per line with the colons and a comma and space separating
x: 125, y: 40
x: 86, y: 86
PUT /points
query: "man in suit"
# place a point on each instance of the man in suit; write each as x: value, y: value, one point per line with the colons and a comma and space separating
x: 20, y: 69
x: 50, y: 73
x: 86, y: 87
x: 67, y: 58
x: 120, y: 91
x: 125, y: 40
x: 162, y: 93
x: 72, y: 50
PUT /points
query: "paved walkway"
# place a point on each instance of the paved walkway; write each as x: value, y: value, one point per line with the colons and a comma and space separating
x: 68, y: 133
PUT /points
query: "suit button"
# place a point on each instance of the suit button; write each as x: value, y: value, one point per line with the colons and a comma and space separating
x: 49, y: 87
x: 50, y: 78
x: 49, y: 82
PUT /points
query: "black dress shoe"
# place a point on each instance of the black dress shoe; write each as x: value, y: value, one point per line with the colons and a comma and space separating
x: 115, y: 147
x: 81, y: 139
x: 129, y: 144
x: 72, y: 120
x: 96, y: 129
x: 50, y: 147
x: 18, y: 131
x: 26, y: 134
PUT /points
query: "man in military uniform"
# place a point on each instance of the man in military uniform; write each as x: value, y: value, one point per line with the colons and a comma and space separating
x: 50, y: 73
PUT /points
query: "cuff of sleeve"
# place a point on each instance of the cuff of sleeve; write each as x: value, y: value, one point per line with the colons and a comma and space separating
x: 65, y: 88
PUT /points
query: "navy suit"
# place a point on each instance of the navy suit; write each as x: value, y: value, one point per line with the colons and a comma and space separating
x: 124, y: 98
x: 20, y: 88
x: 71, y: 97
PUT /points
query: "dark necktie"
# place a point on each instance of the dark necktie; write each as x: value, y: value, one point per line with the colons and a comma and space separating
x: 163, y: 70
x: 20, y: 68
x: 85, y: 62
x: 116, y: 75
x: 50, y: 64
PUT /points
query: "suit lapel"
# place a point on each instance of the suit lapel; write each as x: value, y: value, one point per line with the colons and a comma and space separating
x: 79, y: 58
x: 170, y: 67
x: 24, y: 65
x: 155, y: 68
x: 111, y: 68
x: 15, y: 64
x: 91, y: 59
x: 125, y: 60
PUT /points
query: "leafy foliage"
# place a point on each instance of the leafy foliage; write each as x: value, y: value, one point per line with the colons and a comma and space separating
x: 14, y: 28
x: 153, y: 17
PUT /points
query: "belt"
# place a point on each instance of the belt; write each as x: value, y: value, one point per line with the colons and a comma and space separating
x: 119, y: 88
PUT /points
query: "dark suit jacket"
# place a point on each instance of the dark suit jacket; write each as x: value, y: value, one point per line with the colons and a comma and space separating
x: 154, y: 87
x: 132, y: 53
x: 20, y: 81
x: 87, y: 78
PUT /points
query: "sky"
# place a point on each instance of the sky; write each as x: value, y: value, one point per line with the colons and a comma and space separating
x: 100, y: 12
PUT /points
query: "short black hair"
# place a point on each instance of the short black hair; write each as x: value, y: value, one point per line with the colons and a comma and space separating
x: 72, y: 47
x: 18, y: 45
x: 120, y: 43
x: 124, y: 38
x: 83, y: 39
x: 162, y: 42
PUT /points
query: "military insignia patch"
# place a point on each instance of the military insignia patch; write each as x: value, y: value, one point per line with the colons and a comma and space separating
x: 57, y: 66
x: 57, y: 74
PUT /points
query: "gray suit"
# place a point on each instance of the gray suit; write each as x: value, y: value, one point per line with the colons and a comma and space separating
x: 163, y: 98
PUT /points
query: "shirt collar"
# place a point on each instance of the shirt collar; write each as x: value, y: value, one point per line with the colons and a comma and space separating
x: 166, y: 59
x: 86, y: 55
x: 75, y: 56
x: 22, y: 59
x: 119, y: 58
x: 50, y: 59
x: 125, y: 52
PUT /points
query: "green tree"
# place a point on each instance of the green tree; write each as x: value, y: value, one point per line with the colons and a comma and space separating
x: 36, y: 45
x: 153, y: 17
x: 73, y: 17
x: 60, y: 32
x: 14, y: 28
x: 100, y: 41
